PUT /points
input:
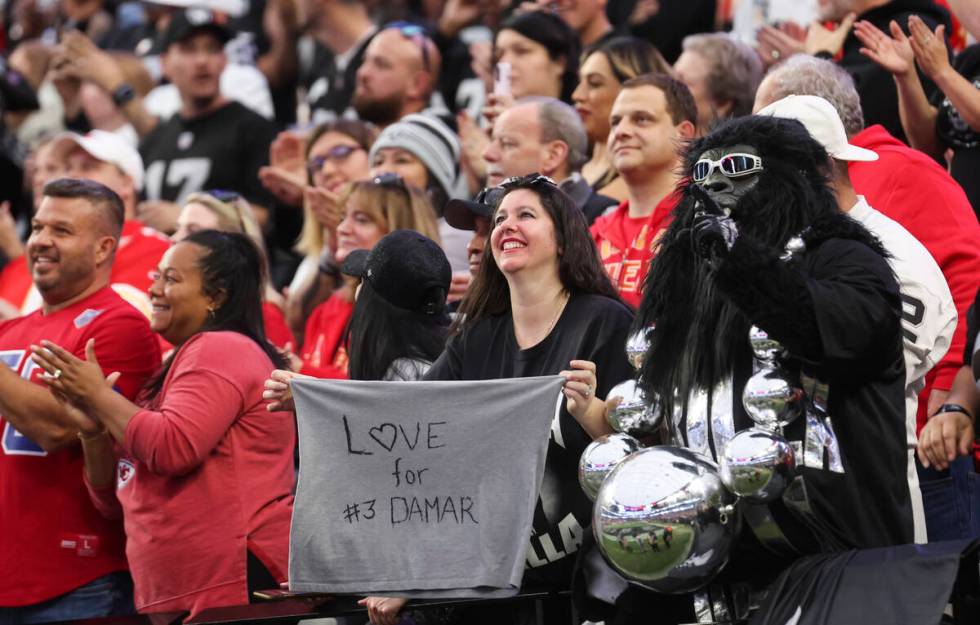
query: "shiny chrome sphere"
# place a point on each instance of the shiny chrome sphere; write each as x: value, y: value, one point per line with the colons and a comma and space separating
x: 600, y: 457
x: 757, y: 465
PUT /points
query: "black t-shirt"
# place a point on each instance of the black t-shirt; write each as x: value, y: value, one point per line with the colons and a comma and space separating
x: 221, y: 150
x: 591, y: 327
x: 875, y: 86
x: 956, y: 134
x: 330, y: 88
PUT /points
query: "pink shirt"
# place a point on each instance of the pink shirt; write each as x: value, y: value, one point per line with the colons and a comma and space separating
x: 206, y: 474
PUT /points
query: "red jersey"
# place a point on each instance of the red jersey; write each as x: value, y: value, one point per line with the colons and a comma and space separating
x: 139, y: 253
x: 627, y: 245
x: 323, y: 354
x: 276, y: 329
x: 206, y: 476
x: 56, y: 540
x: 910, y: 188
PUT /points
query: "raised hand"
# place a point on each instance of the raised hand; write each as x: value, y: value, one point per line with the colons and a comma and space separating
x: 894, y: 54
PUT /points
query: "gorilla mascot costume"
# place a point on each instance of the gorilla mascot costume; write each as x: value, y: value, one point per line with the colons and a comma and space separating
x: 757, y: 242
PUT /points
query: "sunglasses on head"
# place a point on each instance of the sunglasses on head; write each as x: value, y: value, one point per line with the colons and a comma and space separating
x: 417, y: 34
x: 529, y: 180
x: 731, y: 165
x: 336, y: 154
x: 490, y: 196
x: 223, y: 195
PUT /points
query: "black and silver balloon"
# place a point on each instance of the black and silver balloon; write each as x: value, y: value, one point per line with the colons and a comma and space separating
x: 600, y: 457
x: 664, y: 520
x: 635, y: 415
x: 636, y: 347
x: 765, y: 348
x: 757, y: 465
x: 772, y: 399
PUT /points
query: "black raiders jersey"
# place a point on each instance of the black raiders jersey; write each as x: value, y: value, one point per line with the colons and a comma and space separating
x: 221, y: 150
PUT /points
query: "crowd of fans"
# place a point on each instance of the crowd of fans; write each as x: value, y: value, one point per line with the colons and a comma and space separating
x: 200, y: 203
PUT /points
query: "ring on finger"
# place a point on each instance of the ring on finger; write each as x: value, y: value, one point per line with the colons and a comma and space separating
x: 775, y: 55
x: 56, y: 374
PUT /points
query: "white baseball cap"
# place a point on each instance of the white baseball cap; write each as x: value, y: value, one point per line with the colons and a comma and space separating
x: 105, y: 146
x: 822, y: 122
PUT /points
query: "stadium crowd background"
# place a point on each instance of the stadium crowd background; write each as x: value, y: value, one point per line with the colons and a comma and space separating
x: 308, y: 130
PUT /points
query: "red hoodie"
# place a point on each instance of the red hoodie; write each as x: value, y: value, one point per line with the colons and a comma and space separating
x: 915, y: 191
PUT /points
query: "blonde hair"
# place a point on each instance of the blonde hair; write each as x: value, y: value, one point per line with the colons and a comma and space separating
x: 233, y: 216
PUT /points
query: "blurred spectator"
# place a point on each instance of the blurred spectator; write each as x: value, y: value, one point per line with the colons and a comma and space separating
x: 586, y: 17
x: 108, y: 159
x: 424, y: 152
x: 474, y: 216
x: 226, y: 211
x: 342, y: 30
x: 212, y: 143
x: 651, y: 116
x: 539, y: 134
x: 398, y: 74
x: 879, y: 99
x: 541, y: 304
x: 543, y: 55
x: 665, y: 23
x: 67, y: 561
x: 201, y: 458
x: 899, y: 184
x: 370, y: 210
x: 336, y: 154
x: 951, y: 121
x: 722, y: 75
x: 33, y: 60
x: 603, y: 71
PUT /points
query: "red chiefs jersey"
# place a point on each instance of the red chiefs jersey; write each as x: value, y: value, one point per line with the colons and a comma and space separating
x: 55, y: 540
x: 139, y: 253
x: 626, y: 245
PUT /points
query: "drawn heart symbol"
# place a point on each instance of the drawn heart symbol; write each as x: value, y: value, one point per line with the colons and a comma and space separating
x: 380, y: 430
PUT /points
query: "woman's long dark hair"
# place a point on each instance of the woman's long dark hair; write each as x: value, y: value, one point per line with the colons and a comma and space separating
x: 579, y: 267
x: 380, y: 333
x: 559, y: 40
x: 232, y: 273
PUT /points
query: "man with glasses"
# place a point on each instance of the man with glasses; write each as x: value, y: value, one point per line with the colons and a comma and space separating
x: 108, y: 159
x: 651, y: 117
x: 398, y: 75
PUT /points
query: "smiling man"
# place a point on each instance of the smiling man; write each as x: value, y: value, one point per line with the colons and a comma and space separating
x: 651, y: 118
x: 67, y: 561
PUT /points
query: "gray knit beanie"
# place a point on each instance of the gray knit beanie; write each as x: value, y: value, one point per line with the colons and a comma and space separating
x: 431, y: 141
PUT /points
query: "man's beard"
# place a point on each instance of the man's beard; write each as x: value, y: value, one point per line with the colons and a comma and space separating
x: 378, y: 111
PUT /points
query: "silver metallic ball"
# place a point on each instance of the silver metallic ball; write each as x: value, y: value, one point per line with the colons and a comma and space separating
x: 772, y: 399
x: 635, y: 415
x: 757, y: 465
x: 636, y: 347
x: 664, y: 520
x: 796, y: 245
x: 764, y: 348
x: 600, y: 457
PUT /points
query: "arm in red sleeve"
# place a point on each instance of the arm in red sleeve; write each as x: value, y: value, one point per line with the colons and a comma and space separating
x: 197, y: 409
x: 104, y: 499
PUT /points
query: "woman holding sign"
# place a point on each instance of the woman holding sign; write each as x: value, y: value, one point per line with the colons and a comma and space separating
x: 204, y: 481
x: 542, y: 304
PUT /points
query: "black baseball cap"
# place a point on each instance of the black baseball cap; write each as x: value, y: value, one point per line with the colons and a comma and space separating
x: 407, y: 269
x: 188, y: 21
x: 460, y: 214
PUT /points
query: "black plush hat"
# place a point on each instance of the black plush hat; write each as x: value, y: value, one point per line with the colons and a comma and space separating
x: 186, y: 22
x: 407, y: 269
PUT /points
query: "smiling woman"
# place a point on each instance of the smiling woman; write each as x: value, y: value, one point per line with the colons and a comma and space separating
x: 542, y: 304
x: 203, y: 462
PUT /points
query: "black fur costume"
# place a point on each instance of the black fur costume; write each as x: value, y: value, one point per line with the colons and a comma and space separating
x: 697, y: 314
x: 835, y: 307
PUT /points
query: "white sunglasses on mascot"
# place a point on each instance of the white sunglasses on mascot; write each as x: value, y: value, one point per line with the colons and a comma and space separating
x: 733, y: 165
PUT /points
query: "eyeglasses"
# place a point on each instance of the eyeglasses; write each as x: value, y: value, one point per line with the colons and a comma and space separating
x: 390, y: 180
x: 732, y: 165
x: 417, y: 34
x: 528, y: 180
x: 337, y: 154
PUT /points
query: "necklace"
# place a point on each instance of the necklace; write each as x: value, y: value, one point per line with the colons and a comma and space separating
x: 563, y: 299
